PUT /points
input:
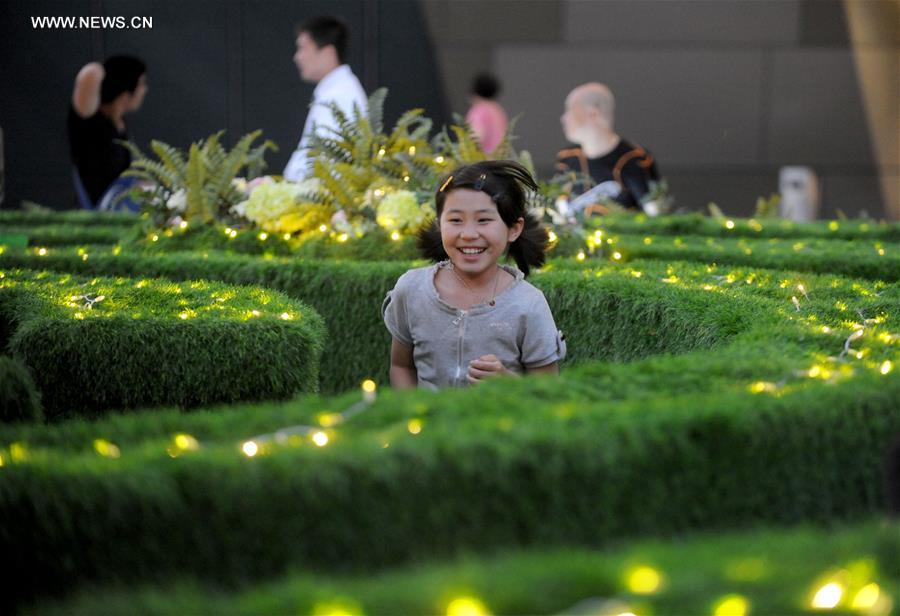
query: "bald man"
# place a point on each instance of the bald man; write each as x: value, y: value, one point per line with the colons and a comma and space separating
x: 618, y: 170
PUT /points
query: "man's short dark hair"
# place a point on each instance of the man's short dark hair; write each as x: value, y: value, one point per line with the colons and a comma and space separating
x: 122, y: 75
x: 486, y: 85
x: 327, y: 30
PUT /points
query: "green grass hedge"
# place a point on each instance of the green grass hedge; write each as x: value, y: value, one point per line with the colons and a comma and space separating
x: 753, y: 423
x: 614, y: 317
x: 860, y: 259
x: 67, y: 235
x: 377, y: 245
x: 67, y: 217
x: 19, y: 400
x: 568, y: 469
x: 96, y: 344
x: 765, y: 571
x: 698, y: 224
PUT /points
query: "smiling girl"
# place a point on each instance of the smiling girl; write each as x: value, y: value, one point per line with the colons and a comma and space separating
x: 469, y: 318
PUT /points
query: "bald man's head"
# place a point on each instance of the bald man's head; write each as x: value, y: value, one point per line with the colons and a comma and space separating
x: 590, y: 108
x: 596, y: 96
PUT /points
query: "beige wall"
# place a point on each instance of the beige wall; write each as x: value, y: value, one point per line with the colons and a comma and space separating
x: 724, y: 92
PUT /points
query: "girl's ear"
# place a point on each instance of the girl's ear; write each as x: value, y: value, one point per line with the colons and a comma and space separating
x: 515, y: 231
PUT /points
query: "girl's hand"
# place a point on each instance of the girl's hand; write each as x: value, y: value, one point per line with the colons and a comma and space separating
x: 485, y: 367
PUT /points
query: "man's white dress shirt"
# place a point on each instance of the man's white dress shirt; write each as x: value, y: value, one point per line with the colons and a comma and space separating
x: 340, y: 86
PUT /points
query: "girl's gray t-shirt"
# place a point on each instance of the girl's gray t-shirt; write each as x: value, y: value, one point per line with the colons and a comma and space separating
x: 519, y: 329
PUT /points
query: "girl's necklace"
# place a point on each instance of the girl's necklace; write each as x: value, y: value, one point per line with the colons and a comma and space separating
x: 493, y: 299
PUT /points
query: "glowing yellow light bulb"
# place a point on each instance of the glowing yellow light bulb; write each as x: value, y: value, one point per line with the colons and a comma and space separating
x: 833, y: 225
x: 731, y: 605
x: 250, y: 449
x: 286, y: 236
x: 106, y: 449
x: 729, y: 224
x: 467, y: 606
x: 414, y: 426
x: 329, y: 420
x: 369, y: 388
x: 617, y: 255
x: 552, y: 236
x: 644, y: 580
x: 183, y: 315
x: 412, y: 150
x: 254, y: 313
x: 154, y: 238
x: 84, y: 257
x: 828, y: 596
x: 186, y: 442
x: 233, y: 234
x: 395, y: 236
x: 343, y: 237
x: 886, y: 367
x: 881, y: 252
x: 580, y: 255
x: 42, y: 251
x: 323, y: 228
x: 826, y: 329
x: 761, y: 386
x: 406, y: 178
x: 18, y: 451
x: 263, y: 236
x: 867, y: 597
x: 814, y: 372
x: 183, y: 224
x: 320, y: 439
x: 439, y: 159
x: 381, y: 152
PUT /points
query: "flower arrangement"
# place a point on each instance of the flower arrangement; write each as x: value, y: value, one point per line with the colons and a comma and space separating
x: 399, y: 211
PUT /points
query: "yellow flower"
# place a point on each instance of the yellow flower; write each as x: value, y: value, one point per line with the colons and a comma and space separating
x: 399, y: 210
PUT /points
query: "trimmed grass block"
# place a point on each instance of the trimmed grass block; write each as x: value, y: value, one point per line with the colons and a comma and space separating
x: 96, y: 344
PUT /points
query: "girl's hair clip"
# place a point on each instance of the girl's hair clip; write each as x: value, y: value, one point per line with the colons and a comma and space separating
x: 479, y: 184
x: 446, y: 183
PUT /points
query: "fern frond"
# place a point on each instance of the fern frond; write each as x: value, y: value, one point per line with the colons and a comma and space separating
x: 376, y: 110
x: 154, y: 172
x: 256, y: 162
x: 197, y: 200
x: 333, y: 184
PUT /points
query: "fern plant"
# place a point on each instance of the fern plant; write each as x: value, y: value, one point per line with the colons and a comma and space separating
x: 358, y: 162
x: 199, y: 186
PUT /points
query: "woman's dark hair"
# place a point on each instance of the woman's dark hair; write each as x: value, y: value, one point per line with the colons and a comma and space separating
x: 486, y: 85
x: 326, y: 30
x: 122, y: 75
x: 505, y: 182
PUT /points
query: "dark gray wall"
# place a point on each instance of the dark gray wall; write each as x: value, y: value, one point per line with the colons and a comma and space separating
x: 212, y: 65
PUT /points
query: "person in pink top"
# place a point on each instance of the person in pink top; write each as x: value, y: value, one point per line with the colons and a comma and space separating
x: 486, y: 117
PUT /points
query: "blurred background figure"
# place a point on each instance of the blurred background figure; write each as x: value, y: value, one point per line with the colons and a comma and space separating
x: 102, y: 95
x: 618, y: 170
x: 486, y: 117
x: 320, y: 58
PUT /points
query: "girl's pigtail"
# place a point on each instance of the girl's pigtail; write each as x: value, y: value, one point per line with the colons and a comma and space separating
x: 429, y: 242
x: 530, y: 247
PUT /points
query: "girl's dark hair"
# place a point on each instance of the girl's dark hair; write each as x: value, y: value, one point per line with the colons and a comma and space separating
x: 122, y: 75
x: 505, y: 182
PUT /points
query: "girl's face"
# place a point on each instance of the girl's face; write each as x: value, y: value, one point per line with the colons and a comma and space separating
x: 472, y: 232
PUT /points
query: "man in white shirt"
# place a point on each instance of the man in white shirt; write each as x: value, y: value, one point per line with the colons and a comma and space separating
x: 321, y: 48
